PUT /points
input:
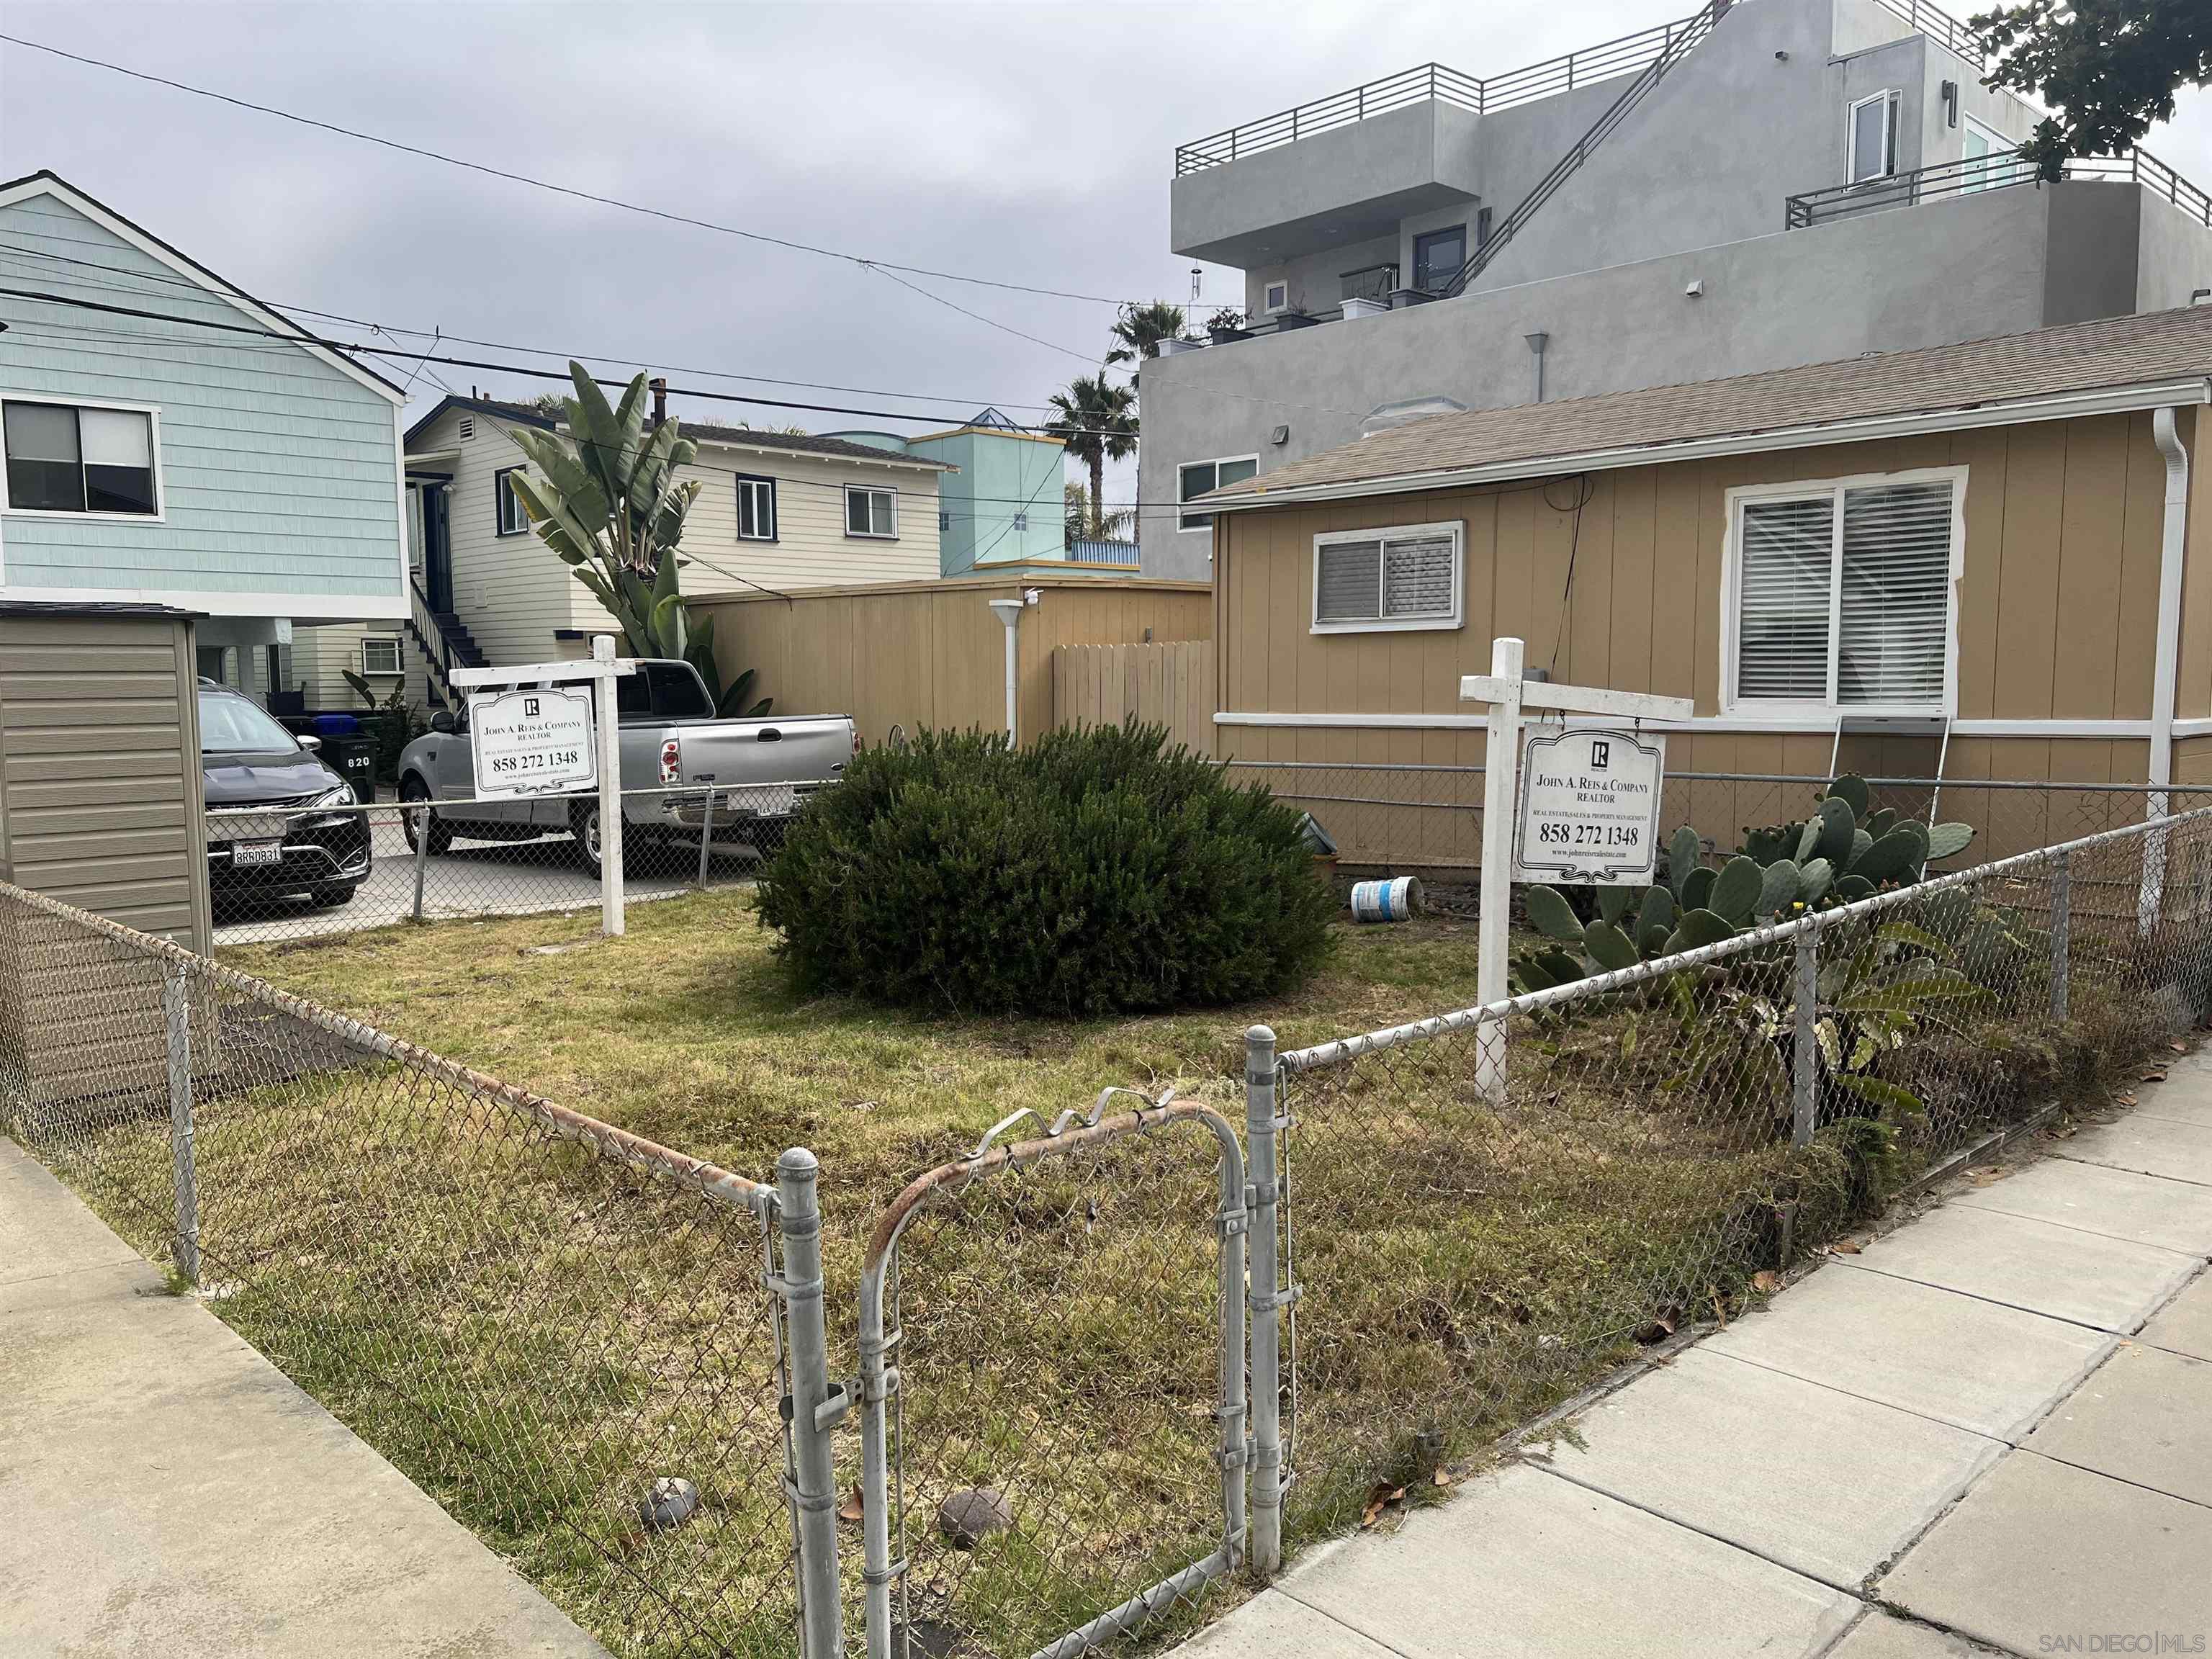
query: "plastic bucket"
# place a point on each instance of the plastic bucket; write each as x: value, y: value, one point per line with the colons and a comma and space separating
x: 1386, y: 901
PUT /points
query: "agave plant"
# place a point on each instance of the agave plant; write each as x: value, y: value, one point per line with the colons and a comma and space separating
x: 606, y: 499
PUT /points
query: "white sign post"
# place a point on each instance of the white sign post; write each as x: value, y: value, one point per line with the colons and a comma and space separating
x: 1594, y: 824
x: 561, y: 734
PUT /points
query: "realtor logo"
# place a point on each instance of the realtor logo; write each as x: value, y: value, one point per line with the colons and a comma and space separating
x: 530, y: 712
x: 1601, y: 755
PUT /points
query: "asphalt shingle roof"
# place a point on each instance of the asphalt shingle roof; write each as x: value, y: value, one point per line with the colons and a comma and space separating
x: 2081, y: 357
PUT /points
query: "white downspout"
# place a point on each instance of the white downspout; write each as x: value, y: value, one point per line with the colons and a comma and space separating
x: 1009, y: 613
x: 2167, y: 670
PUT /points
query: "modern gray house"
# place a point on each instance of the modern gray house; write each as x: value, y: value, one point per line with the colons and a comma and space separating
x: 1765, y: 183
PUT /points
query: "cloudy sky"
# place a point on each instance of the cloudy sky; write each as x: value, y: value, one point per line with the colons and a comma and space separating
x: 1027, y: 142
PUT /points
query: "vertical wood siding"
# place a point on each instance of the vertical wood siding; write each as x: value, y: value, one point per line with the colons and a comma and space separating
x: 933, y: 655
x: 1168, y: 684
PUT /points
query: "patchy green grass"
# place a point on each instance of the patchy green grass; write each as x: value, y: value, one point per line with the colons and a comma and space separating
x: 535, y: 1335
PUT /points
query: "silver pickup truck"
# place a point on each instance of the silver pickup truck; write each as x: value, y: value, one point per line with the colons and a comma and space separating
x: 676, y: 756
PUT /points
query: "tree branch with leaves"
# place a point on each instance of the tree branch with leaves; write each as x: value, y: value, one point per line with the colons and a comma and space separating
x: 2111, y: 66
x: 605, y: 497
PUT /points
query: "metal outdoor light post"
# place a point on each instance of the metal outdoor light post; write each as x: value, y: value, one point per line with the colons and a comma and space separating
x: 1009, y: 613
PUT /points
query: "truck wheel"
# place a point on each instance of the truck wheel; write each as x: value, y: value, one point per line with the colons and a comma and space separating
x: 584, y: 824
x: 414, y: 794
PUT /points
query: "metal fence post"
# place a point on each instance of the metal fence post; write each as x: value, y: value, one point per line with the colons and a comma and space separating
x: 177, y: 1026
x: 1262, y: 1166
x: 814, y: 1406
x: 1806, y: 1089
x: 706, y: 836
x: 422, y: 856
x: 2061, y: 905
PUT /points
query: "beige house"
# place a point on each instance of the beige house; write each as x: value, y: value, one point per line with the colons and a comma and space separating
x: 777, y: 512
x: 1992, y: 558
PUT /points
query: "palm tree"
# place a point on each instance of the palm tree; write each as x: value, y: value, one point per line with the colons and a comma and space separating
x: 1141, y: 328
x: 1097, y: 422
x: 1085, y: 523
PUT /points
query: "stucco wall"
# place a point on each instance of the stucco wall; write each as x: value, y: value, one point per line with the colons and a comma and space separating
x: 1813, y: 296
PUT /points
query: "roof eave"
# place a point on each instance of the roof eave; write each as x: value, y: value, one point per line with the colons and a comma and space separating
x: 2107, y: 400
x: 884, y: 458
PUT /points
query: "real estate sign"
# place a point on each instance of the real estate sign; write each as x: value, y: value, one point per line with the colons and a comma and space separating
x: 1589, y: 806
x: 533, y: 743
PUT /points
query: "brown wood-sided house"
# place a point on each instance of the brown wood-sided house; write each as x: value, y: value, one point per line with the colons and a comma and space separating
x: 1997, y: 555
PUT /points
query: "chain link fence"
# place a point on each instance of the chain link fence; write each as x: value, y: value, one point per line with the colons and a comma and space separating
x: 1052, y: 1365
x: 561, y: 1332
x: 1103, y: 1371
x: 1408, y: 817
x: 322, y: 870
x: 1487, y: 1210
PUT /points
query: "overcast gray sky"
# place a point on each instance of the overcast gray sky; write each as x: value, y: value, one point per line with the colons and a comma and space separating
x: 1032, y: 143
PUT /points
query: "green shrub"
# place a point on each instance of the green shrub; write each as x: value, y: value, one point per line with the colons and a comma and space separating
x: 1087, y: 873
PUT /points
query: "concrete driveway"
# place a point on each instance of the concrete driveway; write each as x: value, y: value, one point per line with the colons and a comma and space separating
x: 473, y: 878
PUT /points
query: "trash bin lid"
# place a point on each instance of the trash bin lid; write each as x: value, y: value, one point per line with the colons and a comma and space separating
x: 336, y: 725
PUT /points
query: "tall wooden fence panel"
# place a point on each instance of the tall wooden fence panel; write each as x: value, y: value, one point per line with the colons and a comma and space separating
x: 1169, y: 683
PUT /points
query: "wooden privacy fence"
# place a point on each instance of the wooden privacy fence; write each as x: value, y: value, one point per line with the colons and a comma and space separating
x: 1169, y: 683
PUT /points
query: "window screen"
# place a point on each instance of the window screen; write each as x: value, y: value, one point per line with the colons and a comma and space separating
x: 65, y: 460
x: 1845, y: 596
x: 512, y: 520
x: 1785, y: 568
x: 1387, y: 579
x: 870, y: 512
x: 1896, y: 594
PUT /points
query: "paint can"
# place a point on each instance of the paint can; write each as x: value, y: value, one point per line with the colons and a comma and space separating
x: 1386, y: 901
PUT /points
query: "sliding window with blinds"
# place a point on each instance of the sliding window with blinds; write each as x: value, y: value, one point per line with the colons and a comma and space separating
x: 1843, y: 594
x: 1406, y: 576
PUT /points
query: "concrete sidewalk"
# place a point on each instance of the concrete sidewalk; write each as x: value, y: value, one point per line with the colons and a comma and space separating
x: 1991, y: 1431
x: 165, y: 1491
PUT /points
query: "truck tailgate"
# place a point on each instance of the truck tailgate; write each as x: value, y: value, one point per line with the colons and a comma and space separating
x: 811, y: 749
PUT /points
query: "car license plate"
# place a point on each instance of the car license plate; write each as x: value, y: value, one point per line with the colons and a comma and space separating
x: 248, y: 854
x: 773, y: 800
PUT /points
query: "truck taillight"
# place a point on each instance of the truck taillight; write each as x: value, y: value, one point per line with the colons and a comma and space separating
x: 672, y: 762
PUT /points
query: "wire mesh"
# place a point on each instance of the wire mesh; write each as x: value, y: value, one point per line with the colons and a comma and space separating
x: 311, y: 871
x: 1489, y: 1210
x: 1403, y: 816
x: 1068, y: 1372
x: 560, y: 1332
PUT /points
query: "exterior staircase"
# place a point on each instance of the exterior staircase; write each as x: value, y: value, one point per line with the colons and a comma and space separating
x: 1679, y: 41
x: 444, y: 643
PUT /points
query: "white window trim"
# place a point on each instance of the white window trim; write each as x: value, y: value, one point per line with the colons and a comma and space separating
x: 775, y: 528
x: 161, y: 513
x: 852, y: 534
x: 1217, y: 462
x: 1888, y: 94
x: 399, y: 657
x: 1828, y: 711
x: 1455, y: 528
x: 502, y: 492
x: 1270, y: 305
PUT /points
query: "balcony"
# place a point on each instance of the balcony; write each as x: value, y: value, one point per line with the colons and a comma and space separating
x: 1996, y: 171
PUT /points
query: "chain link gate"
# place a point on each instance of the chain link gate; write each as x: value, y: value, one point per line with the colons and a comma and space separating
x: 1011, y: 1488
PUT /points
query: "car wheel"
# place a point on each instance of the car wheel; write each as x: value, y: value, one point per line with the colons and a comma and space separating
x: 584, y: 825
x: 329, y: 898
x: 414, y: 794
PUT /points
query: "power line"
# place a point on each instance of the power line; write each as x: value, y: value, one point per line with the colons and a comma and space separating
x: 307, y: 338
x: 6, y: 247
x: 9, y: 248
x: 485, y: 167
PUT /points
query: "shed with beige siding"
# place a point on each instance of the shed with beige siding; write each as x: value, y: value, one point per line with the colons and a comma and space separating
x: 100, y: 807
x: 1657, y: 541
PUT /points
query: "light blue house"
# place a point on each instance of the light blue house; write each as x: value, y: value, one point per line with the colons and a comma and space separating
x: 176, y: 446
x: 1003, y: 506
